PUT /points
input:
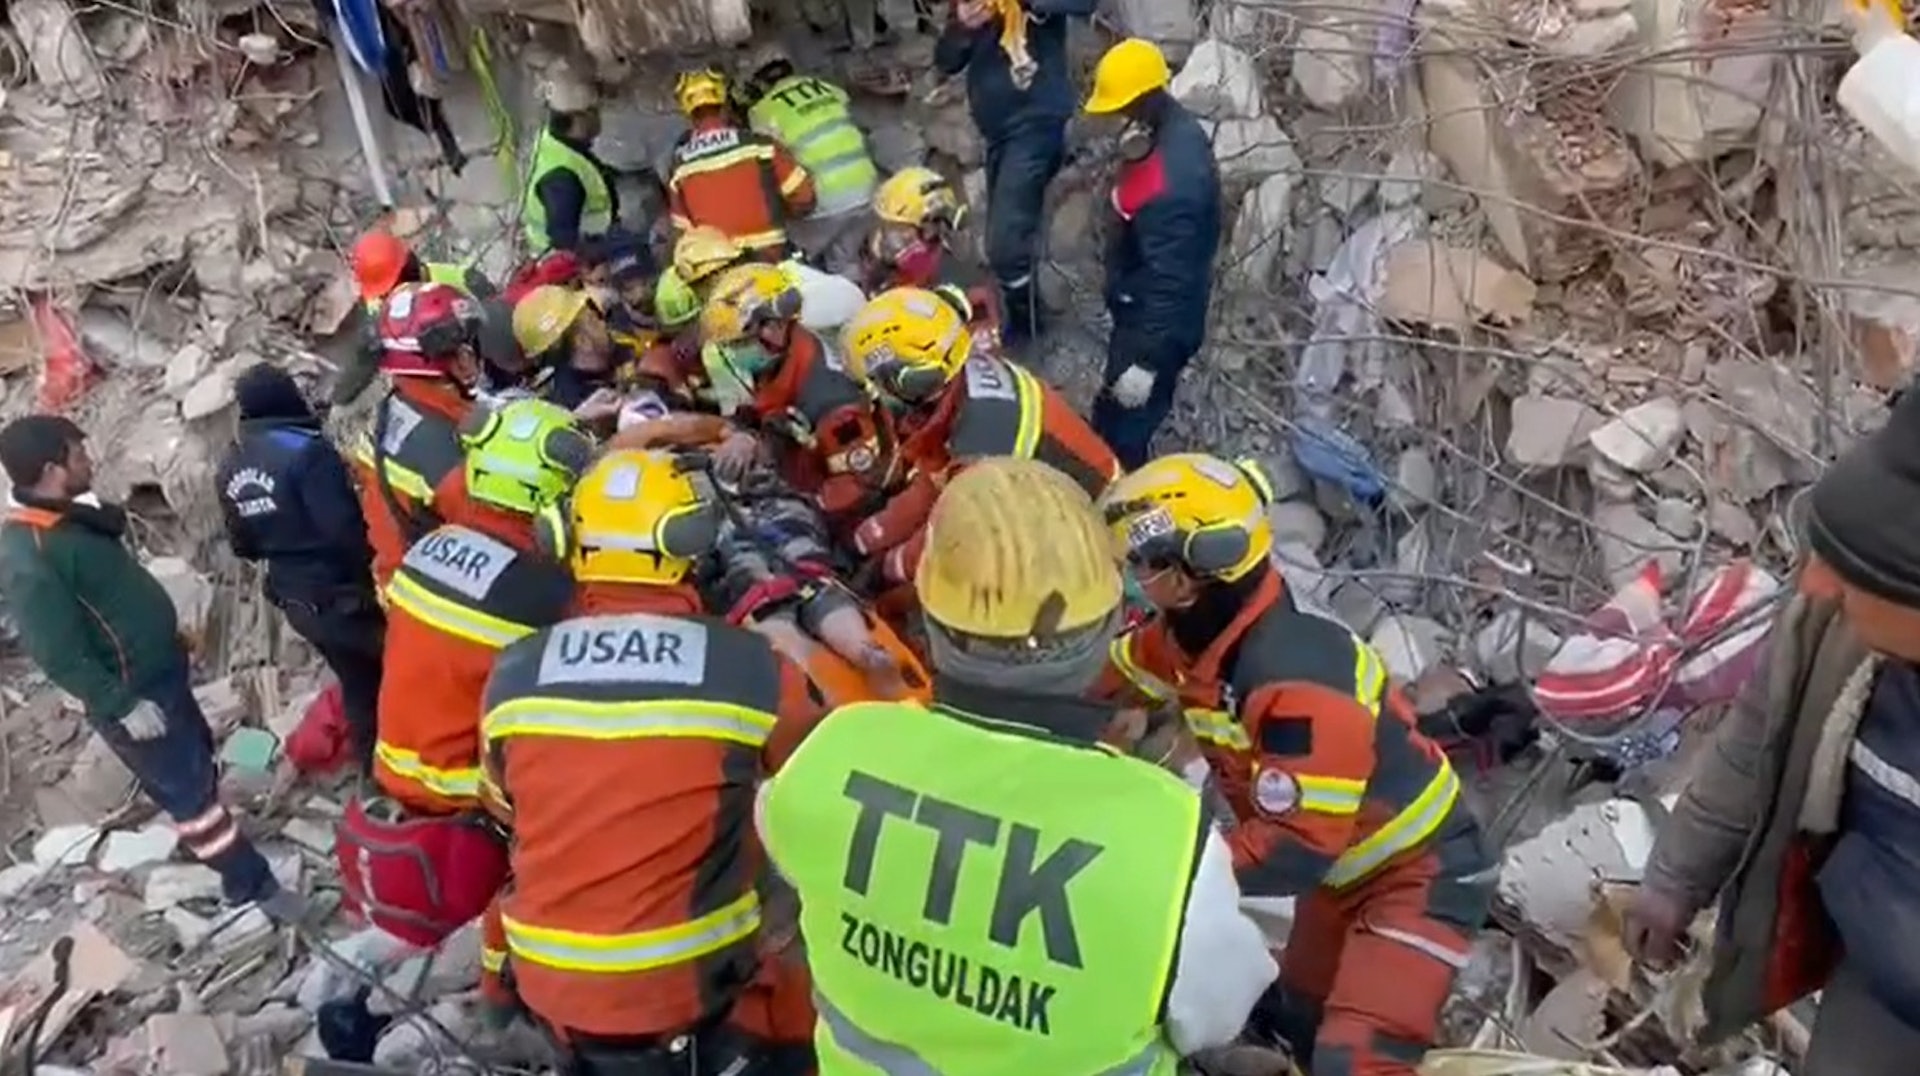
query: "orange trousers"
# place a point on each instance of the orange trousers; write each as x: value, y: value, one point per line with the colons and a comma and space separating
x: 1367, y: 970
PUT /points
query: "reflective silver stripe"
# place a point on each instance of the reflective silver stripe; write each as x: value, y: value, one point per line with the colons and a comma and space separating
x: 896, y: 1060
x: 629, y: 721
x: 644, y: 950
x: 431, y: 609
x: 1884, y: 773
x: 1414, y: 824
x: 821, y: 134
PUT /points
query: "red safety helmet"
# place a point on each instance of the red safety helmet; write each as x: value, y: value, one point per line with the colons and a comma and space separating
x: 422, y: 327
x: 379, y: 261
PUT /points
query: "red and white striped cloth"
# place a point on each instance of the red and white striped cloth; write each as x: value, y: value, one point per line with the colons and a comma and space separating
x: 1628, y: 658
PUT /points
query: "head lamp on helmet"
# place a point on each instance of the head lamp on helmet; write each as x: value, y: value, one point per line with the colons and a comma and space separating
x: 636, y: 516
x: 1205, y: 515
x: 907, y: 343
x: 523, y: 455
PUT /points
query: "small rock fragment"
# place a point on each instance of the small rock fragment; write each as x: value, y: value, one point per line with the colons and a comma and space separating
x: 1409, y: 645
x: 1627, y: 539
x: 1644, y: 437
x: 177, y: 883
x: 65, y: 846
x: 1504, y: 656
x: 1732, y: 523
x: 209, y: 395
x: 186, y: 1044
x: 1297, y: 523
x: 1416, y: 480
x: 1676, y: 517
x: 130, y: 850
x: 1547, y: 430
x: 1218, y: 82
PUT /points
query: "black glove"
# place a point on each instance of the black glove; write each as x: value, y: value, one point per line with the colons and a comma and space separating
x: 1500, y: 719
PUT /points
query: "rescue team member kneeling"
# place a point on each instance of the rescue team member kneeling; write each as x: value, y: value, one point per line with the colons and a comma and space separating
x: 287, y: 499
x: 1094, y: 924
x: 954, y: 405
x: 1340, y: 801
x: 417, y: 862
x: 430, y: 334
x: 625, y: 746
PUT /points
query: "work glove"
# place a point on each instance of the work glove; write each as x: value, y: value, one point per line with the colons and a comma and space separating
x: 144, y: 722
x: 736, y: 456
x: 603, y: 404
x: 1132, y: 387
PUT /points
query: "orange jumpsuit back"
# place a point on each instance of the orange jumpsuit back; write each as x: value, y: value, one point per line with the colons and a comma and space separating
x: 743, y: 183
x: 416, y: 428
x: 836, y: 441
x: 1340, y: 802
x: 993, y: 408
x: 627, y: 747
x: 458, y: 597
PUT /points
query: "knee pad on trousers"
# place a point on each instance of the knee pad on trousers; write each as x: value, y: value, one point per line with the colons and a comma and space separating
x: 417, y: 877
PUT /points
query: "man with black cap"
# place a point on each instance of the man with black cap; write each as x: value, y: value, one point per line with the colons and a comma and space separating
x: 1803, y: 818
x: 104, y: 630
x: 288, y: 500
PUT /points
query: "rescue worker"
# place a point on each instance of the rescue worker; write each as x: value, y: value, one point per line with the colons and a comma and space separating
x: 1021, y: 110
x: 570, y: 196
x: 460, y: 596
x: 625, y: 744
x: 810, y: 117
x: 1799, y: 819
x: 912, y: 245
x: 742, y: 183
x: 953, y: 406
x: 1166, y: 196
x: 287, y: 499
x: 382, y: 262
x: 1338, y: 800
x: 1095, y: 931
x: 104, y: 630
x: 793, y: 395
x: 562, y: 331
x: 430, y: 335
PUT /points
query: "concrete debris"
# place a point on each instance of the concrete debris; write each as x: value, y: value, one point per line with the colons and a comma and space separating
x: 131, y: 850
x: 1644, y: 437
x: 186, y: 1044
x: 1174, y: 25
x: 1410, y: 645
x: 1330, y: 64
x: 1252, y: 149
x: 1548, y: 429
x: 1259, y: 232
x: 57, y: 47
x: 1452, y: 288
x: 1297, y: 524
x: 1514, y: 646
x: 65, y: 846
x: 1219, y: 82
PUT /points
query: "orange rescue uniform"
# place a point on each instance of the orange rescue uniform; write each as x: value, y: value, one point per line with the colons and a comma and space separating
x: 416, y: 429
x: 626, y: 748
x: 744, y: 184
x: 837, y: 442
x: 993, y: 408
x: 1341, y: 803
x: 457, y: 599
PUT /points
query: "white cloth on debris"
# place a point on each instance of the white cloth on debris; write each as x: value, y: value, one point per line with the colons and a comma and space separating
x: 826, y: 301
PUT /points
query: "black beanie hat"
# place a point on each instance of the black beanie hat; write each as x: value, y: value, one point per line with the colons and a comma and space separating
x: 264, y: 390
x: 1863, y: 516
x: 29, y: 445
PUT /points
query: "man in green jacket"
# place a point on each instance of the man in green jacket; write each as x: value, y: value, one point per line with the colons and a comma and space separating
x: 104, y: 630
x: 1803, y: 816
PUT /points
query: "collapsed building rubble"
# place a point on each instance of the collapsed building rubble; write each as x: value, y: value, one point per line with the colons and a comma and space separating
x: 1568, y: 288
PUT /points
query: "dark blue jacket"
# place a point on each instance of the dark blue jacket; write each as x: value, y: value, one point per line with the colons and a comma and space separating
x: 999, y: 109
x: 1870, y: 884
x: 1160, y: 261
x: 289, y: 500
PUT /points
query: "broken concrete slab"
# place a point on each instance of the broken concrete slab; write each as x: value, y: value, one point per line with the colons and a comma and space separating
x: 1452, y: 287
x: 95, y: 966
x: 177, y: 883
x: 65, y: 846
x: 1330, y: 64
x: 1547, y: 430
x: 1644, y: 437
x: 126, y: 850
x: 1260, y: 232
x: 1409, y: 645
x: 1253, y: 149
x: 192, y: 595
x: 1514, y: 646
x: 186, y: 1044
x: 1219, y: 82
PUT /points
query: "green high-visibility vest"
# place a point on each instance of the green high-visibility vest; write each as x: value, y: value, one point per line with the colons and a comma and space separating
x: 980, y: 898
x: 437, y: 273
x: 810, y: 118
x: 550, y: 154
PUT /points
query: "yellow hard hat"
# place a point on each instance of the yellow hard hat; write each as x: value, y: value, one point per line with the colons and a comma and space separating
x: 1192, y: 511
x: 704, y: 88
x: 918, y: 196
x: 907, y: 343
x: 744, y: 298
x: 702, y: 251
x: 1015, y: 555
x: 1129, y: 69
x: 635, y: 516
x: 542, y: 317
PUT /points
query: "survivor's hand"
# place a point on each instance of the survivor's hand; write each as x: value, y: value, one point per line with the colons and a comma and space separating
x: 1656, y: 925
x: 603, y: 404
x: 736, y: 456
x: 973, y: 14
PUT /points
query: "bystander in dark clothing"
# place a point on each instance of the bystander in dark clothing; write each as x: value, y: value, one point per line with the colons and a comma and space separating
x: 1025, y: 129
x: 289, y: 501
x: 104, y: 630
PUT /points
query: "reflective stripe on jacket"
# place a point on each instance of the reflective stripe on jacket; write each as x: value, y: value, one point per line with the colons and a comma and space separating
x: 418, y: 433
x: 963, y: 915
x: 626, y: 749
x: 551, y: 154
x: 810, y: 117
x: 458, y: 598
x: 740, y: 182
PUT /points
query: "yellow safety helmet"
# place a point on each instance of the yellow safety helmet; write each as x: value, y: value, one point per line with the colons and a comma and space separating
x: 745, y: 298
x: 636, y: 516
x: 524, y: 455
x: 1016, y: 559
x: 1128, y: 71
x: 702, y: 251
x: 1192, y: 511
x: 702, y: 88
x: 918, y: 196
x: 543, y: 316
x: 908, y: 343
